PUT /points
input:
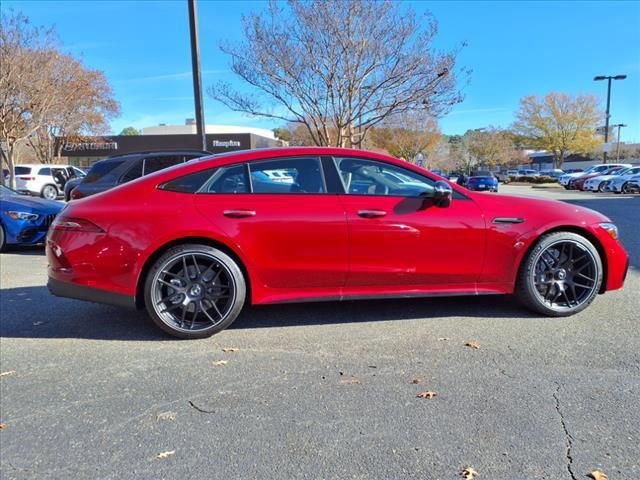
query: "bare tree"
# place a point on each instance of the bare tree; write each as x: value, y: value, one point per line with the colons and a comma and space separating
x: 339, y: 67
x: 46, y: 93
x: 490, y: 146
x: 25, y: 94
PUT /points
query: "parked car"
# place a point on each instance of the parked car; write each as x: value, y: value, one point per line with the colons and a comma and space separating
x: 620, y: 183
x: 482, y: 183
x: 47, y: 181
x: 597, y: 183
x: 24, y: 220
x: 527, y: 172
x: 578, y: 182
x: 113, y: 171
x: 553, y: 173
x: 203, y: 239
x: 502, y: 176
x: 573, y: 170
x: 599, y: 169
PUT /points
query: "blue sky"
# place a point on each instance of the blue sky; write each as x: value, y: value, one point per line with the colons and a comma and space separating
x: 514, y: 49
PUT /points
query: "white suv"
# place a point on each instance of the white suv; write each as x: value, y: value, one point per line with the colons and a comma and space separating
x: 602, y: 167
x: 46, y: 181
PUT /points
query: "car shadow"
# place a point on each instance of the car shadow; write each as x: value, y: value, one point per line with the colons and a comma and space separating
x: 34, y: 250
x: 32, y: 312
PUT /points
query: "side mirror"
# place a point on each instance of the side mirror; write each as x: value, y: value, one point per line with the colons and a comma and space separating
x: 440, y: 195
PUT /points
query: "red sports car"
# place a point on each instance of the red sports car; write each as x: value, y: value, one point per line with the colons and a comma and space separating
x: 194, y: 242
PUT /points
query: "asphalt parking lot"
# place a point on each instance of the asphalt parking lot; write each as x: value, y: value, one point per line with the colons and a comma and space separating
x: 324, y: 390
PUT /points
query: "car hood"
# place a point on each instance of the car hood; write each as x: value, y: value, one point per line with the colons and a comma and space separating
x: 536, y: 211
x: 29, y: 204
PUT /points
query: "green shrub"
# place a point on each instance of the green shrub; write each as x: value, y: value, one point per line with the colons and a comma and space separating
x: 535, y: 180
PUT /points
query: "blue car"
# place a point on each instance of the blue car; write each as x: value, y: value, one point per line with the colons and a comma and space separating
x: 482, y: 183
x: 24, y: 220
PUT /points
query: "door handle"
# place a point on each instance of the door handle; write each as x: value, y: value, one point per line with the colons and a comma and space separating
x: 371, y: 213
x: 239, y: 213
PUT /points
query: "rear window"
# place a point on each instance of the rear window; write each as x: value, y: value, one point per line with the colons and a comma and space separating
x: 135, y: 171
x: 22, y: 170
x: 100, y: 169
x: 155, y: 164
x: 189, y: 183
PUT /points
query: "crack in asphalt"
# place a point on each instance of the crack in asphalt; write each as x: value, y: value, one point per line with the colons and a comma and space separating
x: 569, y: 438
x: 202, y: 410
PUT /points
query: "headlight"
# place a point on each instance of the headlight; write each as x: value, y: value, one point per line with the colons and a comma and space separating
x: 22, y: 215
x: 611, y: 229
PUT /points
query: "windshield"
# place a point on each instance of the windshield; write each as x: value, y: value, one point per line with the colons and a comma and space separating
x: 6, y: 191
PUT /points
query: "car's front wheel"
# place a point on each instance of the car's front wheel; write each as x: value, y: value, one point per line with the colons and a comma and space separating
x: 194, y: 291
x: 626, y: 189
x: 560, y: 275
x: 49, y: 192
x: 3, y: 239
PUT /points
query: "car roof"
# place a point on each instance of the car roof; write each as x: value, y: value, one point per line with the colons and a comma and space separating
x: 156, y: 152
x: 49, y: 165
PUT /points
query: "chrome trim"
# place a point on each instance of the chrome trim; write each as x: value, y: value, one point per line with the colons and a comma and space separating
x: 508, y: 220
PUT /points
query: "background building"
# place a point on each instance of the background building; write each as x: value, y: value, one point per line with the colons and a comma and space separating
x: 220, y: 139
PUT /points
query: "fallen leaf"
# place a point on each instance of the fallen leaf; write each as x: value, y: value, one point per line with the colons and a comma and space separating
x: 427, y: 394
x: 166, y: 416
x: 230, y: 349
x: 218, y: 363
x: 473, y: 344
x: 2, y: 425
x: 443, y: 339
x: 6, y: 374
x: 469, y: 473
x: 36, y: 324
x: 165, y: 454
x: 350, y: 381
x: 598, y: 475
x: 416, y: 381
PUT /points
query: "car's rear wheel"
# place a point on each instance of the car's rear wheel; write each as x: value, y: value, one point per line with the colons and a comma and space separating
x: 626, y: 189
x: 50, y: 192
x: 560, y: 275
x: 194, y: 291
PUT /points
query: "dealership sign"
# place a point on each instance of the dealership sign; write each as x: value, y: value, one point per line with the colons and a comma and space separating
x: 225, y: 143
x: 86, y: 146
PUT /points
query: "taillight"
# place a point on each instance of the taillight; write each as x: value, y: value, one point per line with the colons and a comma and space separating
x: 73, y: 224
x: 26, y: 178
x: 75, y: 194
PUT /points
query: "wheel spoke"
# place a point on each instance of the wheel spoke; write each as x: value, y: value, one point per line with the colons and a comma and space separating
x: 186, y: 269
x: 586, y: 277
x: 185, y: 307
x: 204, y: 310
x: 195, y: 264
x: 170, y: 285
x: 171, y: 308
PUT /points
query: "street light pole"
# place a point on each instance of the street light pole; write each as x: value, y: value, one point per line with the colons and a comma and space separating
x: 197, y: 78
x: 607, y: 114
x: 619, y: 126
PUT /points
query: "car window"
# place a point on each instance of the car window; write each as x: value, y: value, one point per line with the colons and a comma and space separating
x: 22, y: 170
x: 369, y: 177
x: 100, y: 169
x: 287, y: 175
x: 155, y: 164
x: 190, y: 183
x: 231, y: 179
x: 135, y: 171
x: 44, y: 171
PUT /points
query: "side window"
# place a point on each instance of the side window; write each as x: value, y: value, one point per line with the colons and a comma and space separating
x: 135, y: 171
x: 370, y: 177
x: 231, y: 179
x: 288, y: 175
x: 189, y: 183
x: 154, y: 164
x: 44, y: 171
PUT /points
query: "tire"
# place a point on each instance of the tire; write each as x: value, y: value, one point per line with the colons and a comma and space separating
x: 539, y: 284
x: 600, y: 187
x: 625, y: 189
x: 173, y: 298
x: 50, y: 192
x: 566, y: 187
x: 3, y: 239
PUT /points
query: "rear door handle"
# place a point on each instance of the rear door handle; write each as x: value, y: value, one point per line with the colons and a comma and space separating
x: 239, y: 213
x: 371, y: 213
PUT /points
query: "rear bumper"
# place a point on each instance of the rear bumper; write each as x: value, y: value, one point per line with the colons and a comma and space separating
x: 80, y: 292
